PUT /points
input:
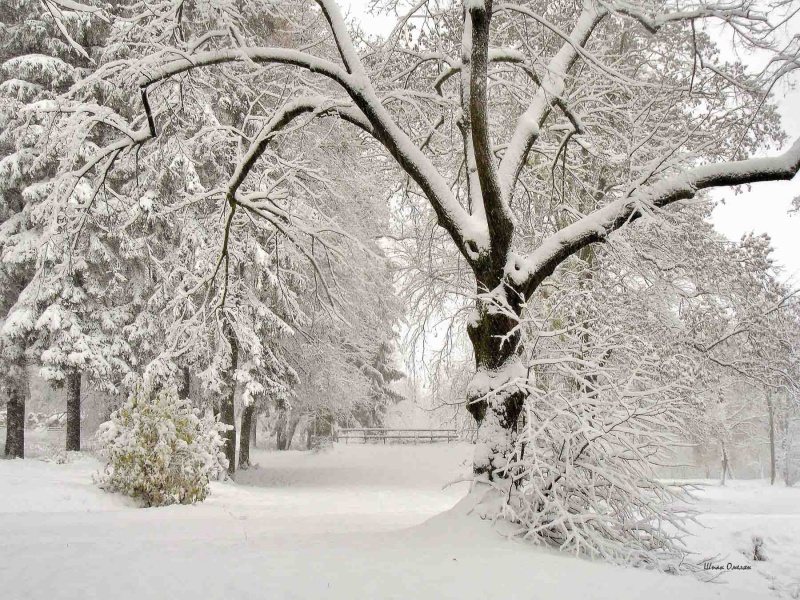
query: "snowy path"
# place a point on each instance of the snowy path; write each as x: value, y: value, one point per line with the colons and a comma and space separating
x: 303, y: 526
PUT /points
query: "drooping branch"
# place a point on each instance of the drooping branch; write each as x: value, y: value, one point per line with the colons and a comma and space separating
x: 290, y: 111
x: 726, y: 12
x: 266, y: 55
x: 469, y: 235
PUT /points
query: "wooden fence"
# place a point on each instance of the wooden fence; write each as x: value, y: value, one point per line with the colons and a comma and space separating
x: 382, y: 434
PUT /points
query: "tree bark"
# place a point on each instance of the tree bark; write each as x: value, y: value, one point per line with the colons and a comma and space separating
x: 227, y: 414
x: 772, y: 466
x: 183, y: 391
x: 74, y: 412
x: 15, y: 418
x: 244, y: 442
x: 494, y: 403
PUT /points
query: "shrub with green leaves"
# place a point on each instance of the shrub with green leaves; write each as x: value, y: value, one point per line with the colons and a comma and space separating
x: 159, y: 448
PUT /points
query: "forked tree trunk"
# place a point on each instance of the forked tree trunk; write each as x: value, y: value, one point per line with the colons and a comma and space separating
x: 244, y: 442
x: 492, y: 398
x: 15, y: 417
x: 227, y: 413
x: 74, y: 412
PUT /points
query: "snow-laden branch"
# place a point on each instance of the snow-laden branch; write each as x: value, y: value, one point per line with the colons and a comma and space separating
x: 267, y: 55
x: 498, y: 215
x: 290, y: 111
x: 552, y: 87
x: 529, y: 272
x: 501, y: 55
x: 469, y: 234
x: 727, y: 12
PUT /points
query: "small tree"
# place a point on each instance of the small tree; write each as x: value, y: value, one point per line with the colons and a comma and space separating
x: 160, y: 449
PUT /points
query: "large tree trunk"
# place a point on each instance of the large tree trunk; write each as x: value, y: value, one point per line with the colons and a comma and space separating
x: 15, y: 417
x: 227, y: 412
x: 494, y: 403
x: 74, y: 412
x: 771, y: 410
x: 244, y: 442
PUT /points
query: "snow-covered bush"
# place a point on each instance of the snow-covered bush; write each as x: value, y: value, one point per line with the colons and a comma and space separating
x: 157, y: 447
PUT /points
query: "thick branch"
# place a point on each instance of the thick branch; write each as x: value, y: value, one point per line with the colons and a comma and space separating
x: 530, y: 271
x: 498, y: 215
x: 552, y: 88
x: 470, y: 237
x: 257, y: 55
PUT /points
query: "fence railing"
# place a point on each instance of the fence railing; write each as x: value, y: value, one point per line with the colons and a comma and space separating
x: 383, y: 434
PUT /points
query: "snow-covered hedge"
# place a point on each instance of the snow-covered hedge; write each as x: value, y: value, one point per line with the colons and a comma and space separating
x: 157, y: 447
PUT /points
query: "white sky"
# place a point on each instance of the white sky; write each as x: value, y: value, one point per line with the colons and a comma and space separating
x: 763, y: 209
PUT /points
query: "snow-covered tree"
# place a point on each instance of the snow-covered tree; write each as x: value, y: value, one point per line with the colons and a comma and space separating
x: 528, y: 132
x: 46, y: 49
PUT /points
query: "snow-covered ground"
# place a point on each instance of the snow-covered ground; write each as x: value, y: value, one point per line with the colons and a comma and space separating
x: 353, y: 522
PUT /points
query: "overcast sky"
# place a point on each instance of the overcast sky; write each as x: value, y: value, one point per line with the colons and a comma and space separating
x: 764, y: 209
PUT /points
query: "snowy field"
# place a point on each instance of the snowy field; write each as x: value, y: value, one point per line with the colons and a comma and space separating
x: 355, y: 522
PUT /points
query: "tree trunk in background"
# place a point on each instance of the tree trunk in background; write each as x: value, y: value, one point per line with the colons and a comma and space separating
x: 74, y: 412
x: 15, y: 419
x: 280, y: 426
x: 183, y: 391
x: 771, y: 409
x: 726, y: 469
x: 290, y: 430
x: 310, y: 433
x: 254, y: 432
x: 227, y: 412
x: 244, y: 442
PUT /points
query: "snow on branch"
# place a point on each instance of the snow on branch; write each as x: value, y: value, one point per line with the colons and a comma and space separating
x: 551, y: 88
x: 530, y: 271
x: 470, y: 235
